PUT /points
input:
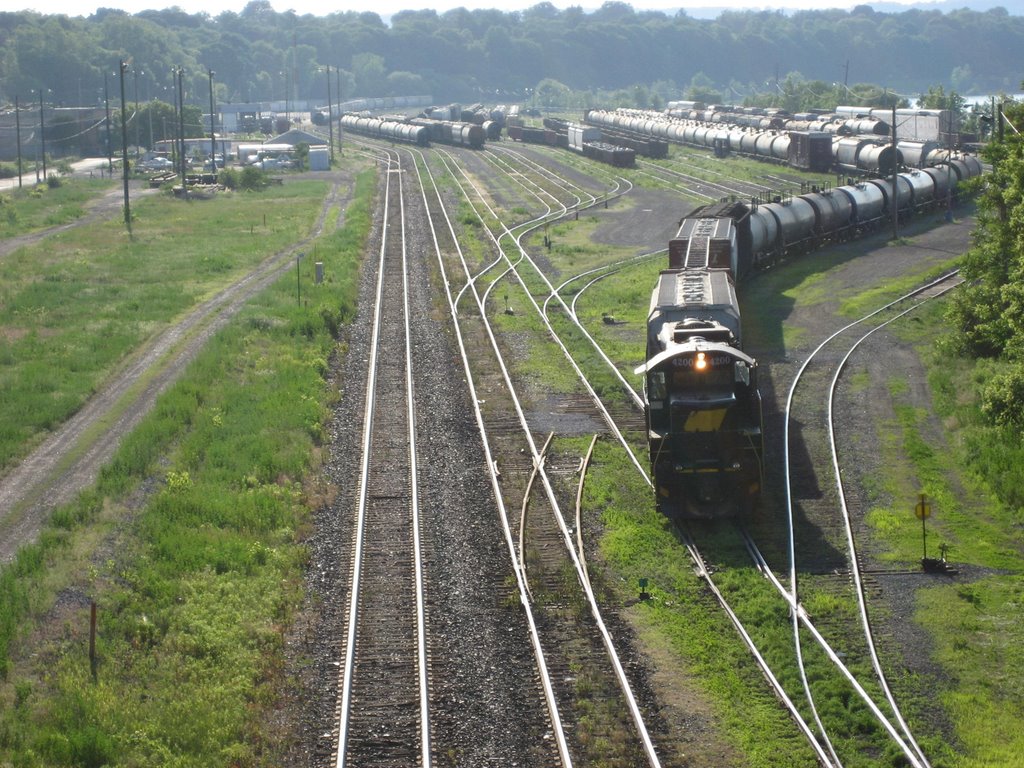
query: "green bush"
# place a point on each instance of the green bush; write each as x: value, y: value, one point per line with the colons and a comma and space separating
x: 252, y: 178
x: 1002, y: 398
x: 228, y: 177
x: 249, y: 178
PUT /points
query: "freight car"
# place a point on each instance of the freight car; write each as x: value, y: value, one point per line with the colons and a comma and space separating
x: 701, y: 401
x: 778, y: 120
x: 867, y: 154
x: 390, y: 130
x: 452, y: 132
x: 612, y: 154
x: 785, y: 227
x: 529, y: 135
x: 645, y: 147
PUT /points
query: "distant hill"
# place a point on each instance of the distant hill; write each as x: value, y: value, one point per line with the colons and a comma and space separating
x: 1013, y: 7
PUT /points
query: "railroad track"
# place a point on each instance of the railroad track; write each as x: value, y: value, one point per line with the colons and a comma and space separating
x: 515, y: 456
x: 586, y: 625
x: 827, y: 362
x: 384, y: 707
x: 849, y: 570
x: 698, y: 185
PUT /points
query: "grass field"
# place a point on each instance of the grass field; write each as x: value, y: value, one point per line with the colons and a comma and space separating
x: 75, y: 305
x: 37, y: 206
x: 190, y: 543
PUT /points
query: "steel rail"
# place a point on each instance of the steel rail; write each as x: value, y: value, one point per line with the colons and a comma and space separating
x: 364, y: 479
x: 766, y: 670
x: 579, y: 506
x: 524, y: 254
x: 793, y: 598
x: 370, y: 407
x: 561, y: 740
x: 410, y: 388
x: 620, y: 674
x: 525, y: 509
x: 848, y: 525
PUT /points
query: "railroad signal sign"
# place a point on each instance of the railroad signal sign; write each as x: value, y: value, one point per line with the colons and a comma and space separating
x: 923, y: 510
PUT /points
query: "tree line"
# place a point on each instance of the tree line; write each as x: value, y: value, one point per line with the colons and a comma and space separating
x: 492, y: 56
x: 987, y: 315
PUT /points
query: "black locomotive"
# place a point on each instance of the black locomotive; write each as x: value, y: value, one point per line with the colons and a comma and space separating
x: 701, y: 401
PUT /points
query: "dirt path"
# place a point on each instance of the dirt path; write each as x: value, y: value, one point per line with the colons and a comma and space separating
x: 107, y: 206
x: 71, y: 457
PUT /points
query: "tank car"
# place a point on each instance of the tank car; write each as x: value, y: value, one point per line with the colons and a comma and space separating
x: 922, y: 189
x: 796, y: 218
x: 868, y: 204
x: 879, y: 158
x: 385, y: 129
x: 833, y: 214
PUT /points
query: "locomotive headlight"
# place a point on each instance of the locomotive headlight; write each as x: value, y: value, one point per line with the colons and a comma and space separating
x: 700, y: 363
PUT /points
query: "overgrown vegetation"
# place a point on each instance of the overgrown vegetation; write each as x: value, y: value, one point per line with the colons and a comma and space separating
x: 248, y: 179
x: 76, y: 305
x: 37, y: 206
x: 680, y: 619
x: 988, y: 315
x: 191, y: 545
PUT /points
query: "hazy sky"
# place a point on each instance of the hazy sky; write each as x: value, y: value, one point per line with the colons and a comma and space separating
x: 388, y: 7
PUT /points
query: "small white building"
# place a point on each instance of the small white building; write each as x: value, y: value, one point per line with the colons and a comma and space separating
x: 319, y: 159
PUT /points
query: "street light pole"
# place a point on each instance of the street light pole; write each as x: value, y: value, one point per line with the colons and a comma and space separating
x: 330, y: 112
x: 213, y: 140
x: 42, y: 132
x: 106, y: 102
x: 135, y: 117
x: 123, y: 65
x: 17, y: 123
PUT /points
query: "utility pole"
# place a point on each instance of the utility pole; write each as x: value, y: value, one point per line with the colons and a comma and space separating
x: 123, y: 65
x: 895, y: 193
x: 106, y: 102
x: 949, y: 165
x: 337, y: 85
x: 181, y: 123
x: 17, y: 123
x: 330, y: 113
x: 42, y: 132
x: 135, y: 117
x: 213, y: 138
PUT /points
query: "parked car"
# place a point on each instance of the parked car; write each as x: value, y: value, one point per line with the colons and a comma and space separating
x: 156, y: 164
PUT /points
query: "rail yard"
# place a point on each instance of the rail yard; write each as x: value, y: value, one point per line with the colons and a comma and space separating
x: 492, y: 436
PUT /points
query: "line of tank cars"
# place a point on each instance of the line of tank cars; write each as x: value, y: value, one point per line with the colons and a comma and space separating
x: 781, y: 226
x: 786, y: 226
x: 791, y: 224
x: 844, y: 143
x: 453, y: 125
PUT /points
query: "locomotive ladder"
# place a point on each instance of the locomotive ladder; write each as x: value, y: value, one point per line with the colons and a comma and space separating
x: 698, y: 250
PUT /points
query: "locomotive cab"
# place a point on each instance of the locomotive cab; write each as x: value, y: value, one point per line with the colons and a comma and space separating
x: 703, y: 413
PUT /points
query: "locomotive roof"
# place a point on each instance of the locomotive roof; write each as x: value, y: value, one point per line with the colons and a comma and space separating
x: 714, y: 227
x: 678, y: 288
